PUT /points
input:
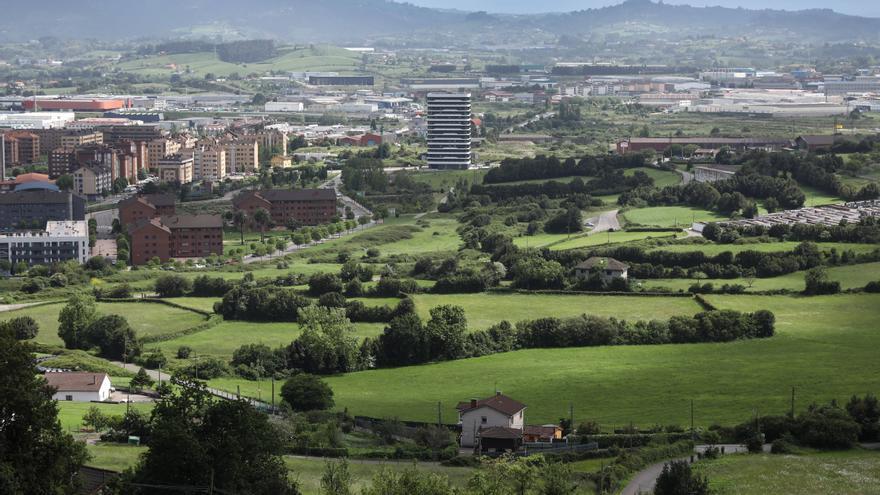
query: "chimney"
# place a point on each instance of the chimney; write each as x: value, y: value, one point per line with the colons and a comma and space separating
x: 473, y: 403
x: 497, y: 393
x: 94, y: 380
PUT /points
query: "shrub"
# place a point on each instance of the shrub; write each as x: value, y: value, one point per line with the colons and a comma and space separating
x: 114, y: 337
x: 33, y: 285
x: 755, y: 444
x: 678, y: 478
x: 781, y: 446
x: 827, y: 427
x: 322, y: 283
x: 306, y: 392
x: 183, y: 352
x: 169, y: 285
x: 154, y: 360
x: 205, y: 369
x: 205, y: 286
x: 22, y: 327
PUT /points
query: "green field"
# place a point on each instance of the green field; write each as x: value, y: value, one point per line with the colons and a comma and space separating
x: 114, y: 456
x: 849, y: 276
x: 670, y: 216
x: 711, y: 249
x: 147, y: 319
x: 485, y: 309
x: 308, y: 472
x: 825, y: 346
x: 603, y: 238
x: 815, y: 197
x: 662, y: 178
x: 70, y: 413
x: 855, y: 471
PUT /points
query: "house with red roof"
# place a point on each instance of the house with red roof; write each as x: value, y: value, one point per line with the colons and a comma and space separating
x: 493, y: 424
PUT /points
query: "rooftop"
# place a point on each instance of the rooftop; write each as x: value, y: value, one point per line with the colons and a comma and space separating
x: 193, y: 221
x: 67, y: 228
x: 498, y: 402
x: 76, y: 382
x: 603, y: 263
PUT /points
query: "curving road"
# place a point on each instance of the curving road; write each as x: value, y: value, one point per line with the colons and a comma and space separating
x: 607, y: 220
x: 645, y: 480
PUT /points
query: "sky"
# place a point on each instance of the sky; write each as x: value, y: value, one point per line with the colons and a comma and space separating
x: 867, y: 8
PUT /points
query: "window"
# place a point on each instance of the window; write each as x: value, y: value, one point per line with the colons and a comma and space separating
x: 68, y: 397
x: 484, y: 420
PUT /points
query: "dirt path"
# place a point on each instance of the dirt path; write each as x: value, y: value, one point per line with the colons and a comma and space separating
x: 607, y: 220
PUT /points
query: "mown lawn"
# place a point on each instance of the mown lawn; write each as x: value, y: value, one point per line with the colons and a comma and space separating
x: 815, y: 197
x: 114, y: 456
x: 855, y: 471
x: 825, y: 346
x: 71, y: 413
x: 670, y: 216
x: 711, y: 249
x: 486, y: 309
x: 662, y: 178
x: 603, y: 238
x: 849, y: 276
x: 145, y: 318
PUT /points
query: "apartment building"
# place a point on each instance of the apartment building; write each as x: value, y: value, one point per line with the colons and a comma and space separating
x: 209, y: 163
x: 175, y: 168
x: 136, y: 208
x: 22, y: 147
x: 33, y: 208
x: 59, y: 241
x: 286, y: 206
x: 92, y: 180
x: 242, y: 155
x: 449, y: 130
x: 179, y: 236
x: 51, y: 139
x: 158, y: 149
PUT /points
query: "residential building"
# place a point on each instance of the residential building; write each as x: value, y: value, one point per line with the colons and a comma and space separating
x: 33, y: 208
x: 51, y: 139
x: 59, y: 241
x: 242, y: 155
x: 542, y: 433
x: 158, y: 149
x: 499, y: 420
x: 449, y: 130
x: 80, y: 387
x: 62, y: 160
x: 608, y: 268
x: 815, y: 142
x: 92, y: 180
x: 136, y: 208
x: 180, y: 236
x: 209, y: 163
x: 274, y: 141
x: 287, y: 206
x: 22, y: 147
x: 175, y: 168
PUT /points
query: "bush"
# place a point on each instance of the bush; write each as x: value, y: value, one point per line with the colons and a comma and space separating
x: 205, y: 369
x: 22, y: 327
x: 827, y: 427
x: 307, y: 393
x: 121, y: 291
x: 114, y: 337
x: 872, y: 287
x: 205, y: 286
x: 322, y: 283
x: 154, y: 360
x: 755, y: 444
x: 169, y: 285
x: 677, y: 478
x: 33, y: 285
x: 781, y: 446
x: 183, y: 352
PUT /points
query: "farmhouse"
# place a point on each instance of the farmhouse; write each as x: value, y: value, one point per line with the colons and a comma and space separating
x: 79, y: 387
x: 609, y: 268
x: 493, y: 424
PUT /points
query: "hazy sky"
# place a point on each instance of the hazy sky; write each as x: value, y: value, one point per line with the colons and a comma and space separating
x: 868, y: 8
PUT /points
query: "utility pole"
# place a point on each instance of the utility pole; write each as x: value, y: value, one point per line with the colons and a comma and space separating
x: 273, y: 395
x: 693, y: 432
x: 439, y: 415
x: 792, y: 402
x: 3, y: 156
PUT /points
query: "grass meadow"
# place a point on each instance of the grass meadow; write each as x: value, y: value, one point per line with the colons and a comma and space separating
x: 711, y: 249
x: 608, y: 238
x: 71, y: 413
x: 670, y: 216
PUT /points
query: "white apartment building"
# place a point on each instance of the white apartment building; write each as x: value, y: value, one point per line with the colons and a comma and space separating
x: 60, y: 241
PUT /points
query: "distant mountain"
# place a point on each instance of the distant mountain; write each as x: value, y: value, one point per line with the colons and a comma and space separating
x: 360, y: 21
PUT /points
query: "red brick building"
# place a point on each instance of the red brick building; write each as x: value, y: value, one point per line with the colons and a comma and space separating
x: 179, y: 236
x: 304, y: 206
x: 137, y: 208
x: 22, y: 148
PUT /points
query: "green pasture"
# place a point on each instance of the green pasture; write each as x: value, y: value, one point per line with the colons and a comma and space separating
x: 825, y: 347
x: 485, y: 309
x: 608, y: 238
x: 712, y: 249
x: 815, y: 197
x: 114, y: 456
x: 662, y: 178
x: 854, y: 471
x: 671, y: 216
x: 147, y: 319
x: 71, y: 413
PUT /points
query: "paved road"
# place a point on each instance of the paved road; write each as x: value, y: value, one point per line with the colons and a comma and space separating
x: 13, y: 307
x: 606, y: 220
x: 645, y: 480
x: 686, y: 177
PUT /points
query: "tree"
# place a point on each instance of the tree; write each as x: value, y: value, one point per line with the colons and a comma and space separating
x: 306, y: 392
x: 95, y: 419
x: 336, y: 479
x: 816, y: 282
x: 169, y: 285
x: 407, y: 482
x: 261, y: 218
x: 446, y: 332
x: 65, y: 182
x: 197, y: 440
x: 74, y: 318
x: 119, y: 185
x: 327, y: 344
x: 866, y: 412
x: 36, y: 456
x: 678, y: 478
x: 239, y: 219
x: 22, y: 327
x: 141, y: 380
x: 114, y: 337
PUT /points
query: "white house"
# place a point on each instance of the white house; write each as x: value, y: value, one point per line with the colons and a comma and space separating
x: 498, y: 411
x: 79, y: 387
x: 609, y: 268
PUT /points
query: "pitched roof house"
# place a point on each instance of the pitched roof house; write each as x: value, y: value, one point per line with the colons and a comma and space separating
x: 610, y: 268
x: 79, y: 387
x: 497, y: 417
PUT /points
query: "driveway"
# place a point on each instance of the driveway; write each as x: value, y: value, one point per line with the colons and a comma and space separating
x: 606, y: 220
x: 645, y: 480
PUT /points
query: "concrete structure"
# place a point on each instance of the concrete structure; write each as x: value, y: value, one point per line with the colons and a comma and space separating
x: 80, y: 387
x: 608, y: 268
x: 209, y: 163
x: 286, y: 206
x: 441, y: 84
x: 33, y: 208
x: 242, y: 155
x: 28, y: 181
x: 660, y: 144
x: 498, y: 411
x: 136, y: 208
x: 181, y: 236
x: 92, y: 180
x: 341, y: 80
x: 859, y: 85
x: 712, y: 173
x: 283, y: 106
x: 175, y: 168
x: 828, y: 215
x: 449, y: 130
x: 59, y: 241
x: 36, y: 120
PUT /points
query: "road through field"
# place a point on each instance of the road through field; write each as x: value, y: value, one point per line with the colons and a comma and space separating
x: 607, y: 220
